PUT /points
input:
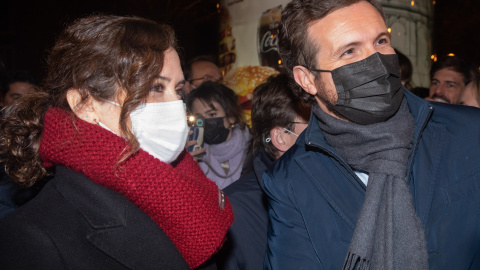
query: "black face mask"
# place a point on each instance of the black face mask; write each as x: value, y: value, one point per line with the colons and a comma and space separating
x: 215, y: 131
x: 369, y: 91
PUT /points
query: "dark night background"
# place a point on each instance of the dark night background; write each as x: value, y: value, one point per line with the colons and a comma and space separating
x: 28, y: 28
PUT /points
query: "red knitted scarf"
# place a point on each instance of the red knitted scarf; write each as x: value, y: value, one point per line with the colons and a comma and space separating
x: 180, y: 199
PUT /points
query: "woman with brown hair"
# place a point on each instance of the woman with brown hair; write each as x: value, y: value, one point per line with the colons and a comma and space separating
x: 109, y: 126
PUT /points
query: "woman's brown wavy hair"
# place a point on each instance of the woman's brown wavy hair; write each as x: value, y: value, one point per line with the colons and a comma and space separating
x: 96, y: 55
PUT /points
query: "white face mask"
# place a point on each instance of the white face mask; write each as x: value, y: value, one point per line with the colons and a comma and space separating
x: 161, y: 128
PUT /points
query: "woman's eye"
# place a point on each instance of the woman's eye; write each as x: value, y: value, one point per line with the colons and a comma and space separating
x: 158, y: 87
x: 180, y: 92
x: 211, y: 115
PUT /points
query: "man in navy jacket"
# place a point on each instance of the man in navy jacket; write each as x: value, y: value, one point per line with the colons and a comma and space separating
x: 380, y: 179
x: 277, y: 119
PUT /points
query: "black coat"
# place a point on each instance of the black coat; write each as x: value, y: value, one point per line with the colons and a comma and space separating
x: 247, y: 237
x: 74, y: 223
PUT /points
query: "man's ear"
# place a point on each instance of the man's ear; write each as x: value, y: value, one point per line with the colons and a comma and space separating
x: 85, y: 110
x: 305, y: 79
x: 277, y: 134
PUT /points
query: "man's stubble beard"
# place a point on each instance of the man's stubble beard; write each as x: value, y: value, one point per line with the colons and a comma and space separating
x: 323, y: 96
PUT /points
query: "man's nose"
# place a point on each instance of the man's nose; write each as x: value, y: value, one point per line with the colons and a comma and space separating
x: 439, y: 90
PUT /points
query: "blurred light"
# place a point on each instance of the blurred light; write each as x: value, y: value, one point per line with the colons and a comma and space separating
x: 389, y: 30
x: 271, y: 36
x: 191, y: 118
x: 432, y: 57
x: 451, y: 54
x: 218, y: 5
x: 279, y: 62
x: 412, y: 3
x: 434, y: 2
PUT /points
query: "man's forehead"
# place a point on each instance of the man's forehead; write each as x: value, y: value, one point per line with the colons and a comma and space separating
x: 338, y: 28
x: 204, y: 68
x: 448, y: 75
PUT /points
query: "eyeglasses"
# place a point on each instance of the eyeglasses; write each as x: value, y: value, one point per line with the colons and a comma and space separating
x: 206, y: 78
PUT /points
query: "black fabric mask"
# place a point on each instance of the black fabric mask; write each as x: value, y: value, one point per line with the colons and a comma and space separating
x: 369, y: 91
x: 215, y: 131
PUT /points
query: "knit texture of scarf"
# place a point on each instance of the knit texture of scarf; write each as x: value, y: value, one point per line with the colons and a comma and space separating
x: 232, y: 151
x: 180, y: 199
x: 388, y: 234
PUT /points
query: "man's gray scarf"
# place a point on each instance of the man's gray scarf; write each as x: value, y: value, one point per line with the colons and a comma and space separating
x: 388, y: 233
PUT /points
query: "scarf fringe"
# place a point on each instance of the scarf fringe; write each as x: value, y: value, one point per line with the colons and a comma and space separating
x: 355, y: 262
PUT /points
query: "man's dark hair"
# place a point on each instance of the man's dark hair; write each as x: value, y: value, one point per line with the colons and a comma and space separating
x: 201, y: 58
x: 406, y: 69
x: 454, y: 63
x: 14, y: 77
x: 275, y: 104
x: 295, y: 48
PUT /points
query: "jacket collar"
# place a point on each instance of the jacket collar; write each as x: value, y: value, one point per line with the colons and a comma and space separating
x: 261, y: 162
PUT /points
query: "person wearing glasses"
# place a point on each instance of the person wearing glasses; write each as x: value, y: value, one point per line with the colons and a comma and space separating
x: 199, y: 70
x: 278, y: 117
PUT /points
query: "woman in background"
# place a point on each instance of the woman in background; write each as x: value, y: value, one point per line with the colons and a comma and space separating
x: 226, y: 137
x: 470, y: 96
x: 110, y: 126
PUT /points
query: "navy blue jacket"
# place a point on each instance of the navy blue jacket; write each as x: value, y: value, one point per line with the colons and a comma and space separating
x: 247, y: 237
x: 315, y: 197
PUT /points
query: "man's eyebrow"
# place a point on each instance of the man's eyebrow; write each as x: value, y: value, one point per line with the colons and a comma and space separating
x: 357, y: 43
x: 344, y: 47
x: 452, y: 82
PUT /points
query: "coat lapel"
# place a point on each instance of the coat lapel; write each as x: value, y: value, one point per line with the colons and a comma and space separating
x: 119, y: 228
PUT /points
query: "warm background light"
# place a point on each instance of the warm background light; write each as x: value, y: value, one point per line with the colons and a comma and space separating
x: 451, y: 54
